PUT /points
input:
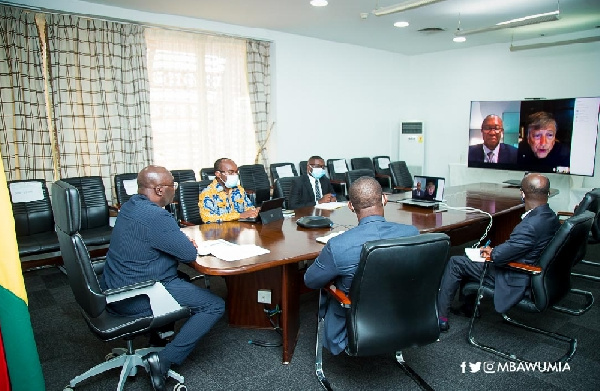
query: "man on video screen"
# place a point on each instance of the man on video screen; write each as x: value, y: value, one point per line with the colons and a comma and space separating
x: 492, y: 150
x: 540, y: 147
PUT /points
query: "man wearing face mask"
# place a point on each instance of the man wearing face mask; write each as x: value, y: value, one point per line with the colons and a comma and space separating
x: 224, y: 199
x: 312, y: 188
x: 340, y: 256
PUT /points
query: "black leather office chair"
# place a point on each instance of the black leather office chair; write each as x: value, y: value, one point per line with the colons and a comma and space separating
x: 95, y: 223
x: 353, y: 175
x: 383, y: 174
x: 188, y: 193
x: 179, y: 176
x: 590, y: 202
x: 302, y: 166
x: 402, y: 180
x: 277, y: 168
x: 255, y: 181
x: 358, y: 163
x: 34, y: 222
x: 392, y: 303
x: 337, y: 169
x: 550, y: 283
x: 283, y: 186
x: 93, y: 301
x: 125, y: 187
x: 207, y: 173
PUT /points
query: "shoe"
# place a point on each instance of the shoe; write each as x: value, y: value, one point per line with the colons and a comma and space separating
x: 156, y: 340
x: 156, y: 375
x: 444, y: 326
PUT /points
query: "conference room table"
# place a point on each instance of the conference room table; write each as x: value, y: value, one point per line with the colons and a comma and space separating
x: 289, y: 244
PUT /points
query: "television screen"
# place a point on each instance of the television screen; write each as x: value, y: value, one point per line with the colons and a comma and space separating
x: 550, y: 135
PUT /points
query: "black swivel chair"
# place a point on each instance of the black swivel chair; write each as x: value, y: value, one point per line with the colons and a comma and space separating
x: 277, y: 168
x: 95, y: 222
x: 358, y: 163
x: 337, y: 169
x: 550, y: 283
x: 207, y: 173
x: 353, y: 175
x: 283, y: 186
x: 93, y: 301
x: 125, y: 187
x: 302, y: 166
x: 188, y: 193
x: 255, y: 181
x: 591, y: 202
x: 34, y: 222
x: 381, y: 164
x: 402, y: 180
x: 180, y: 176
x: 392, y: 303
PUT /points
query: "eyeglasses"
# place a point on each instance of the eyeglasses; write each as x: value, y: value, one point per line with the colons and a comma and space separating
x: 316, y: 165
x: 175, y: 185
x: 230, y: 172
x: 489, y: 129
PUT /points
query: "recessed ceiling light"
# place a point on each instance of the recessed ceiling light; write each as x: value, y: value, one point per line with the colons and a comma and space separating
x: 318, y: 3
x: 401, y: 24
x: 459, y: 39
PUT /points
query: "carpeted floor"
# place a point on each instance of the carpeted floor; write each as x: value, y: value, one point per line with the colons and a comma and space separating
x: 224, y: 360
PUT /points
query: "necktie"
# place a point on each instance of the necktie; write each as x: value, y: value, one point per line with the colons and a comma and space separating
x: 490, y: 156
x: 317, y: 190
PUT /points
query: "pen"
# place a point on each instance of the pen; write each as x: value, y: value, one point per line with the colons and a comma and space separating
x: 487, y: 244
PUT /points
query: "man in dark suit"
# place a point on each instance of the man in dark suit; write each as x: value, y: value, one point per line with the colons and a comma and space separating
x: 525, y: 244
x: 147, y: 244
x: 541, y: 151
x: 340, y: 256
x: 492, y: 150
x: 430, y: 191
x: 313, y: 187
x: 418, y: 191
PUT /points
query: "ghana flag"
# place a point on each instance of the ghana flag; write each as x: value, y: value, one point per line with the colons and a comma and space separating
x: 20, y: 367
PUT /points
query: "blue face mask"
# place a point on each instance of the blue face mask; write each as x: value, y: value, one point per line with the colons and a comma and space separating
x: 232, y: 181
x: 317, y: 172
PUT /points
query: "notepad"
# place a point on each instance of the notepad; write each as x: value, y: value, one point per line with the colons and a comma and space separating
x: 474, y: 254
x: 228, y: 251
x: 331, y: 205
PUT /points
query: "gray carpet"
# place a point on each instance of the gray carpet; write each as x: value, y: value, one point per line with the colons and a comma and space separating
x: 224, y: 360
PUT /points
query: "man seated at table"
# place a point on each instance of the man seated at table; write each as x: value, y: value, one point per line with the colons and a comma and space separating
x: 224, y: 199
x: 340, y: 256
x: 526, y: 242
x: 313, y: 187
x: 147, y: 244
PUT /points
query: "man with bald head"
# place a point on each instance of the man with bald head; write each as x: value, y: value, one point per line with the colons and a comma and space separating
x: 147, y: 244
x: 492, y: 150
x: 525, y: 244
x: 340, y: 256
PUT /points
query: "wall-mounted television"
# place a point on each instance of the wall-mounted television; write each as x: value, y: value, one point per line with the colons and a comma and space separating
x: 537, y: 135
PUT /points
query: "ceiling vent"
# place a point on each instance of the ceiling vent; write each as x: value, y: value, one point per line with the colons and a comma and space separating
x: 431, y: 30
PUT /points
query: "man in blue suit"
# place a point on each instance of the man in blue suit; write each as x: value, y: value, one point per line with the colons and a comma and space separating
x: 525, y: 244
x: 340, y: 256
x: 492, y: 150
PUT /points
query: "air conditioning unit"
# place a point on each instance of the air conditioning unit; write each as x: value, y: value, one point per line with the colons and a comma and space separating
x: 412, y: 146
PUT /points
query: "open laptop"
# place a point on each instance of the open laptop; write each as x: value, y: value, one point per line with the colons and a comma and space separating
x: 427, y: 191
x: 270, y: 210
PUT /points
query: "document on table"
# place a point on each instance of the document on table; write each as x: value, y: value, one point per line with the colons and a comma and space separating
x: 474, y: 254
x: 324, y: 239
x: 228, y: 251
x: 330, y: 205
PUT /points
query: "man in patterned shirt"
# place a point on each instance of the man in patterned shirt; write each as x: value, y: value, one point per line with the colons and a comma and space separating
x: 224, y: 199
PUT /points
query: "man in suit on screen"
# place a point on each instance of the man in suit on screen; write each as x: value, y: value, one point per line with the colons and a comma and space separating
x: 492, y: 150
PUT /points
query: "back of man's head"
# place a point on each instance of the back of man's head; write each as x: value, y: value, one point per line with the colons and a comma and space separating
x: 536, y: 187
x: 365, y: 193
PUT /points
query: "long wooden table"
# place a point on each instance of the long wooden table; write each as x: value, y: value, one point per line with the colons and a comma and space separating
x: 289, y: 244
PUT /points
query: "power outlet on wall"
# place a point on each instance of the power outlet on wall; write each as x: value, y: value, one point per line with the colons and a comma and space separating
x: 264, y: 296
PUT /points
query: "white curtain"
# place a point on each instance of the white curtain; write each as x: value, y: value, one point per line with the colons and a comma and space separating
x: 199, y: 98
x: 259, y: 83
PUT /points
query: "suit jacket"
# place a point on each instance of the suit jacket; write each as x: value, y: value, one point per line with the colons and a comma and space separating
x: 506, y: 153
x: 302, y: 194
x: 338, y: 261
x: 559, y: 156
x: 525, y: 244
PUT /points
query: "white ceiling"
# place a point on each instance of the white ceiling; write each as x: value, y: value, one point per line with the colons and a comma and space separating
x: 340, y: 21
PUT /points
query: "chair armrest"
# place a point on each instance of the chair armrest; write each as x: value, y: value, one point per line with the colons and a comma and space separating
x: 403, y: 188
x: 562, y: 216
x: 530, y: 269
x: 184, y: 223
x: 338, y: 295
x: 161, y: 301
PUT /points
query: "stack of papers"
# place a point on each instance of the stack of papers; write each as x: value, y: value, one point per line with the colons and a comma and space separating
x: 228, y: 251
x: 324, y: 239
x: 331, y: 205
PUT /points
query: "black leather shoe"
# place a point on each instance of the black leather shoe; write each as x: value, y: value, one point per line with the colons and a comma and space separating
x: 444, y: 326
x: 156, y: 375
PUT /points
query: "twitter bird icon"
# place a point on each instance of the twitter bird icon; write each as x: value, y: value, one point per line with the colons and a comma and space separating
x: 475, y: 367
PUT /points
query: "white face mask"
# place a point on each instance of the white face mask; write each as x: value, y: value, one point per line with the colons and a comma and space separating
x: 317, y: 172
x: 232, y: 181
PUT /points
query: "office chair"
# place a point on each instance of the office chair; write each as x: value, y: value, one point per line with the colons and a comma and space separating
x: 302, y: 166
x: 381, y: 164
x: 337, y: 169
x: 179, y: 176
x: 93, y: 301
x: 95, y: 223
x: 402, y: 180
x: 125, y: 187
x: 281, y: 170
x: 207, y: 173
x: 283, y: 186
x: 591, y: 202
x: 255, y: 181
x: 34, y: 222
x: 353, y: 175
x: 189, y: 196
x: 392, y: 302
x: 358, y: 163
x: 550, y: 282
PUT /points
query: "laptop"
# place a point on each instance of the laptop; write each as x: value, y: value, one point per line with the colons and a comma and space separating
x: 427, y: 192
x: 270, y: 210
